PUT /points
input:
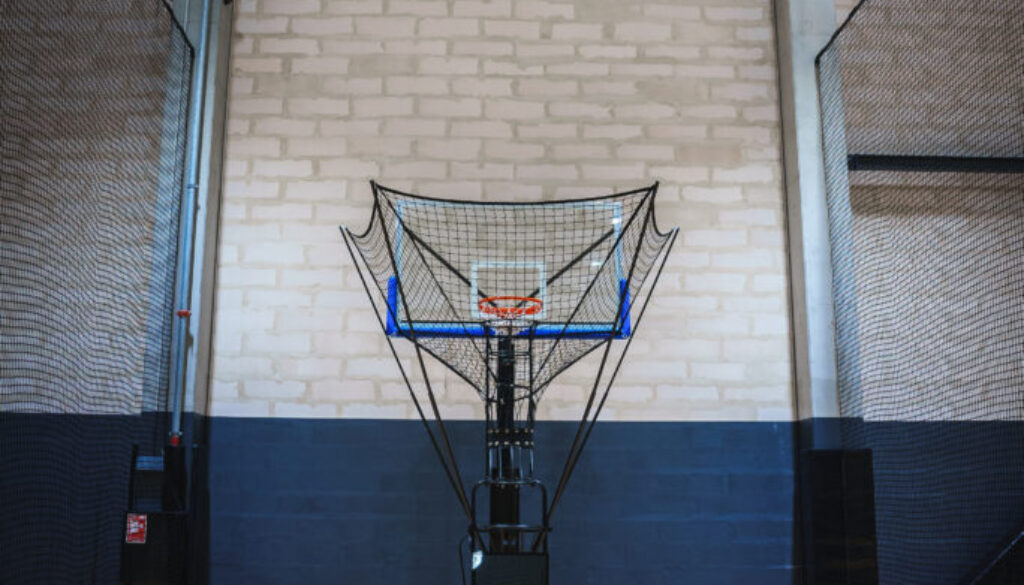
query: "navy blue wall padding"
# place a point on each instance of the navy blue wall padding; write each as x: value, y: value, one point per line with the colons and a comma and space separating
x: 365, y: 502
x: 62, y: 508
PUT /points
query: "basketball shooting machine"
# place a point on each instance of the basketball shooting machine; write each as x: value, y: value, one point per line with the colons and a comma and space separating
x: 508, y: 295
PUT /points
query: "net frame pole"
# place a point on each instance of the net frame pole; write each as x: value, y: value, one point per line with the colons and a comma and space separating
x: 416, y: 239
x: 568, y: 266
x: 647, y: 200
x: 452, y: 479
x: 186, y: 225
x: 442, y: 431
x: 667, y: 249
x: 572, y: 455
x: 505, y: 498
x: 620, y: 361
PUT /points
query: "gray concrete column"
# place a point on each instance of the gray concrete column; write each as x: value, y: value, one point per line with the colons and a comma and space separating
x: 803, y: 27
x: 207, y: 219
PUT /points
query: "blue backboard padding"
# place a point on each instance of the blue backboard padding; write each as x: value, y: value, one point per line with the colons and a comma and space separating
x: 578, y: 331
x: 392, y: 327
x: 624, y: 308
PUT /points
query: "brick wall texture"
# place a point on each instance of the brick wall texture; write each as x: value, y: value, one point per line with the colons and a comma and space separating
x: 90, y: 163
x: 524, y: 100
x: 960, y: 272
x: 952, y: 239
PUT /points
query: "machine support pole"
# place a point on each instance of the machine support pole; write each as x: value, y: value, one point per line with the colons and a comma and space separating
x: 505, y: 470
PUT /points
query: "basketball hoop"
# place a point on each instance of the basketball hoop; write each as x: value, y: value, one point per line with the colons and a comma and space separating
x: 502, y: 307
x: 510, y: 312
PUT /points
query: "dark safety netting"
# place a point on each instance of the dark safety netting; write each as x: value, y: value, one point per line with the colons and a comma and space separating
x: 923, y: 116
x: 93, y: 100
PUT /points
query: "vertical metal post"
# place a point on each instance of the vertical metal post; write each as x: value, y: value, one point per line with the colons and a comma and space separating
x: 504, y: 490
x: 186, y: 225
x: 802, y: 28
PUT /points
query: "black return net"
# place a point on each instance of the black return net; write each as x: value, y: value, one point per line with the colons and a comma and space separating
x: 93, y: 100
x: 923, y: 116
x: 435, y: 264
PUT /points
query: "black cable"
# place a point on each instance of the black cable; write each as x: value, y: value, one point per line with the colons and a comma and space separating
x: 572, y: 462
x: 438, y: 421
x: 462, y: 560
x: 455, y: 480
x: 576, y: 448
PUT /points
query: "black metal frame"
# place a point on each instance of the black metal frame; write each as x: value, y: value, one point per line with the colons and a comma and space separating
x: 447, y: 458
x: 934, y: 164
x: 821, y: 503
x: 513, y: 527
x: 587, y: 422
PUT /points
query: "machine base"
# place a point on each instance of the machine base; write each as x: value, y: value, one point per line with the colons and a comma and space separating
x: 512, y: 569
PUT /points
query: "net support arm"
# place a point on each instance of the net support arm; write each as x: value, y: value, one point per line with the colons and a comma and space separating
x: 454, y: 478
x: 442, y: 431
x: 554, y: 277
x: 418, y: 241
x: 419, y: 245
x: 577, y: 451
x: 648, y: 198
x: 577, y: 440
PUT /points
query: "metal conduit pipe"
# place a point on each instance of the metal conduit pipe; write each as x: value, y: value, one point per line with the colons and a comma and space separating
x: 186, y: 226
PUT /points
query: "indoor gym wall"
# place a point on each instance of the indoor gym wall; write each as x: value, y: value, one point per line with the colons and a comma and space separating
x: 491, y: 100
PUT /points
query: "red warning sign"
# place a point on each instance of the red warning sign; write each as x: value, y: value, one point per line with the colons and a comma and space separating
x: 135, y: 533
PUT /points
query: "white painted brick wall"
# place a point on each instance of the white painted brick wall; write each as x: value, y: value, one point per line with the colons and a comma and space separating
x: 843, y: 9
x: 497, y: 99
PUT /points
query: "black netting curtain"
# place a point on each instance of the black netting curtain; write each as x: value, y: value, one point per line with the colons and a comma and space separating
x: 923, y: 116
x: 93, y: 100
